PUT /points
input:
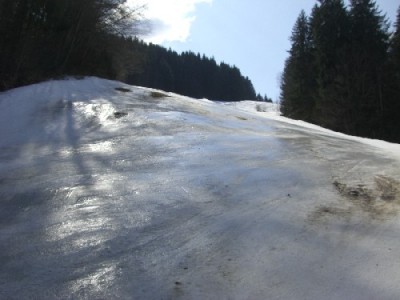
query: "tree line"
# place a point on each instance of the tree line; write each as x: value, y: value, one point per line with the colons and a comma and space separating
x: 43, y: 39
x: 190, y: 74
x: 343, y: 70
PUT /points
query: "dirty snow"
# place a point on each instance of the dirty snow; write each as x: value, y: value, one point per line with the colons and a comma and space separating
x: 137, y: 194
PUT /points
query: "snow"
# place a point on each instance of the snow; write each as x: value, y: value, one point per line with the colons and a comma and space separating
x: 111, y: 194
x: 271, y: 110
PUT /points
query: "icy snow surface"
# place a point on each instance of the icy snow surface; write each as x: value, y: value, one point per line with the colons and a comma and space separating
x: 140, y: 194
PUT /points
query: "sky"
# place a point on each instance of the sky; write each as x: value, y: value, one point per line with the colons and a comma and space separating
x: 253, y: 35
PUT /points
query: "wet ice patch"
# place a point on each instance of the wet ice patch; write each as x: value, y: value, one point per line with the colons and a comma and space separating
x: 96, y: 147
x: 102, y: 112
x: 94, y: 281
x: 102, y: 146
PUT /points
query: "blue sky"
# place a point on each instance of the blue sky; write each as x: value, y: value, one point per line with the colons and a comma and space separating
x: 253, y: 35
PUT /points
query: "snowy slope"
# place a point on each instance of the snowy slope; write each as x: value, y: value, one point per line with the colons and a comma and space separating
x: 110, y: 193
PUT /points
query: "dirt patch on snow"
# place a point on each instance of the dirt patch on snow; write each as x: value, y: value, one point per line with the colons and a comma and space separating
x: 124, y: 90
x: 157, y: 94
x: 379, y: 202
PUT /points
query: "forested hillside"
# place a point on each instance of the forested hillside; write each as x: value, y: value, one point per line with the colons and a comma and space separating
x: 190, y: 74
x: 42, y: 39
x: 343, y: 71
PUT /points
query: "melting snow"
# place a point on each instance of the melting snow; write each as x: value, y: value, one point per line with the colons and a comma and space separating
x: 109, y: 192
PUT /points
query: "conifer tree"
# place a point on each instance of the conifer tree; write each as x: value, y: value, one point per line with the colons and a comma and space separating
x: 391, y: 115
x: 368, y: 46
x: 298, y: 81
x: 395, y: 45
x: 330, y: 30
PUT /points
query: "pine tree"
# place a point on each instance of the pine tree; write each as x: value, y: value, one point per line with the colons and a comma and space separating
x: 330, y: 31
x: 369, y: 46
x: 391, y: 115
x: 395, y: 44
x: 298, y: 81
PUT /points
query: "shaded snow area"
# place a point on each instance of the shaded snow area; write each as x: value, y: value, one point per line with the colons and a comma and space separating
x: 109, y: 191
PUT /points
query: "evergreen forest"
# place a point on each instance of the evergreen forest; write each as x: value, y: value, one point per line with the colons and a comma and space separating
x: 343, y: 70
x: 44, y: 39
x: 190, y: 74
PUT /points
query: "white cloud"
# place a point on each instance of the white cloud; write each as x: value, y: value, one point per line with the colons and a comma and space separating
x: 170, y: 20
